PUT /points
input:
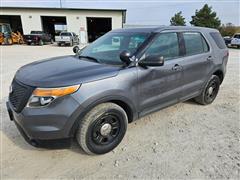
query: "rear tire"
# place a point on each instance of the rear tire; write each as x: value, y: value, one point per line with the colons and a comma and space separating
x: 102, y: 128
x: 210, y: 91
x: 20, y: 41
x: 8, y: 41
x: 40, y: 42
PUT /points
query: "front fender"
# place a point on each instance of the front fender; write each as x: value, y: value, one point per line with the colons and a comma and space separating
x: 90, y: 103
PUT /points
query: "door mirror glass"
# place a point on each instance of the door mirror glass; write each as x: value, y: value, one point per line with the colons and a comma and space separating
x: 152, y: 60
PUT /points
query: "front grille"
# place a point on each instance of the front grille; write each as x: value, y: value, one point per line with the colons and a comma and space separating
x: 19, y: 95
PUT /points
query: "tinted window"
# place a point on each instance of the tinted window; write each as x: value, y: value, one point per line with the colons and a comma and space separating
x: 218, y: 40
x: 66, y: 34
x: 165, y: 45
x: 237, y: 36
x: 194, y: 43
x: 6, y: 28
x: 36, y: 32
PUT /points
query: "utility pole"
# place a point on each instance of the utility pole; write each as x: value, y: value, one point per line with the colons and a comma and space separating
x: 60, y: 3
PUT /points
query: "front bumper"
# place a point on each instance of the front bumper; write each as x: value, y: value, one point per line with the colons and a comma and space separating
x: 63, y: 42
x: 31, y: 41
x: 47, y: 123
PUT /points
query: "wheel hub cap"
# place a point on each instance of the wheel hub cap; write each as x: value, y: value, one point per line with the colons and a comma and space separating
x: 105, y: 129
x: 210, y: 90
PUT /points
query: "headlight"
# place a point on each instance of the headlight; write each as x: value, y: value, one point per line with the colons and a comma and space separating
x: 44, y: 96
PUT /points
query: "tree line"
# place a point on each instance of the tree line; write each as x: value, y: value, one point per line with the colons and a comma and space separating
x: 205, y: 17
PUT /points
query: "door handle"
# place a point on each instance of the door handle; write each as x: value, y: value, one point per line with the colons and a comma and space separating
x: 176, y: 67
x: 209, y: 58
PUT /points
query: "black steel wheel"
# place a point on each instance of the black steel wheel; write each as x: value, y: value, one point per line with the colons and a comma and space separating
x: 106, y: 128
x: 102, y: 129
x: 210, y: 91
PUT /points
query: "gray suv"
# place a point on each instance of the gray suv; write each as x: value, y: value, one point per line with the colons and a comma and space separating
x: 122, y: 76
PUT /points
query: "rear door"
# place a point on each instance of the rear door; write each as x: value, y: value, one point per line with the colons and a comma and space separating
x: 197, y: 63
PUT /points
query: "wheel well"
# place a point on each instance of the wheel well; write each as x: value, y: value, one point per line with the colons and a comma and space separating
x: 219, y: 73
x: 126, y: 108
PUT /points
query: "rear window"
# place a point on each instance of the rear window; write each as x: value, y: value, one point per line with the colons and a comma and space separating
x: 218, y: 40
x: 195, y: 43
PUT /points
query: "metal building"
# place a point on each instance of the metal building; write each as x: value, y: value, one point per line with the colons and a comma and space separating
x: 88, y: 23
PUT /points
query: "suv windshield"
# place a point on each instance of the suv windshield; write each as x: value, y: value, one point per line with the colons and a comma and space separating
x: 36, y: 32
x: 65, y: 34
x: 5, y: 28
x: 107, y: 48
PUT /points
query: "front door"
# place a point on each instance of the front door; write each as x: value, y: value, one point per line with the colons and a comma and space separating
x: 160, y: 86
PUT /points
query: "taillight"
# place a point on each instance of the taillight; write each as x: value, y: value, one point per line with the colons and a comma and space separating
x: 227, y: 53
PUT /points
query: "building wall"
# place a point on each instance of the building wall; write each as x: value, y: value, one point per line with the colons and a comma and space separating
x: 31, y: 18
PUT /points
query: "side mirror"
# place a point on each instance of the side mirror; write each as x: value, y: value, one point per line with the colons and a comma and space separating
x: 152, y: 60
x: 125, y: 56
x: 75, y: 49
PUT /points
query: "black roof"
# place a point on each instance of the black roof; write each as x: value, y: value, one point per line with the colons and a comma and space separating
x: 57, y: 8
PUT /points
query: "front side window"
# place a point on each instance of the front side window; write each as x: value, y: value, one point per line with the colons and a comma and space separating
x: 165, y: 45
x: 107, y: 48
x: 237, y: 36
x: 194, y: 43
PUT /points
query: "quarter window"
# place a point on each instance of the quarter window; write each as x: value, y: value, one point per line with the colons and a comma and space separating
x: 218, y: 40
x: 195, y: 43
x: 165, y: 45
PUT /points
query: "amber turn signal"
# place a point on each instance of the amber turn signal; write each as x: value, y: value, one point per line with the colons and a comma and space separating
x: 61, y: 91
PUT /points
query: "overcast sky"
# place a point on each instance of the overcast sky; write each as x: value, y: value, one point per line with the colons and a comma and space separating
x: 153, y: 12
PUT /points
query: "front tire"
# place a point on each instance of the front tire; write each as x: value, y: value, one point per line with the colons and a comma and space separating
x: 102, y: 129
x: 210, y: 91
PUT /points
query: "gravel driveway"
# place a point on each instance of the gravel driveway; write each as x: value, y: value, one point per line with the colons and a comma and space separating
x: 186, y: 140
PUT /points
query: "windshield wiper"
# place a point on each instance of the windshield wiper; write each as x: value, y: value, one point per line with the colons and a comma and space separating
x: 89, y: 57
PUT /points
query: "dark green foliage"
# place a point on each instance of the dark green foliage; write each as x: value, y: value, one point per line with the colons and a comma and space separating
x: 205, y: 17
x: 178, y: 20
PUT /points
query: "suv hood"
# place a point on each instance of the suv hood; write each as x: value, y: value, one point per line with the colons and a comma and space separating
x: 63, y: 71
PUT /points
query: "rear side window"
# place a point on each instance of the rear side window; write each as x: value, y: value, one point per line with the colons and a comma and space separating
x: 195, y: 43
x: 218, y: 40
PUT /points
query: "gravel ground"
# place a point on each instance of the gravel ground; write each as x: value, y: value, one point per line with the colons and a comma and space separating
x: 183, y: 141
